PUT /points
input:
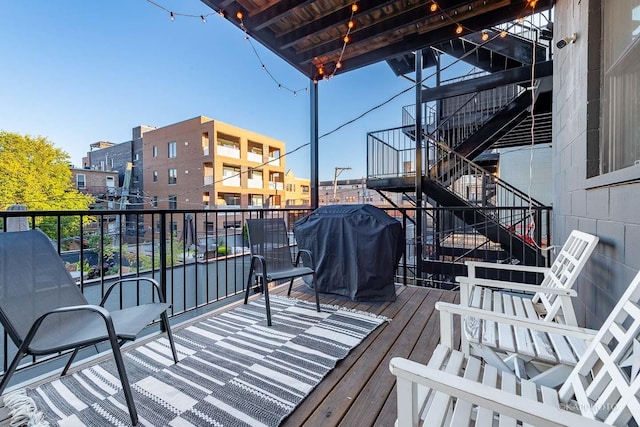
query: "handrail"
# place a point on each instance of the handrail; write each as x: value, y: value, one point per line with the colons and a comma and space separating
x: 459, y: 166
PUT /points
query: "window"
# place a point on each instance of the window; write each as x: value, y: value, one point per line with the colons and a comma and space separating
x: 173, y: 176
x: 173, y: 202
x: 155, y: 176
x: 136, y: 157
x: 155, y: 151
x: 255, y: 200
x: 172, y: 148
x: 81, y: 182
x: 619, y: 101
x: 111, y: 182
x: 154, y: 202
x: 205, y: 143
x: 231, y: 175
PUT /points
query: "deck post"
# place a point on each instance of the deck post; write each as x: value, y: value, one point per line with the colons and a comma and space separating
x: 418, y: 133
x: 313, y: 138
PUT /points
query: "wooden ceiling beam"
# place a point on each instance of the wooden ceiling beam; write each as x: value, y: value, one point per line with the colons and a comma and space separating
x: 319, y: 25
x: 276, y: 12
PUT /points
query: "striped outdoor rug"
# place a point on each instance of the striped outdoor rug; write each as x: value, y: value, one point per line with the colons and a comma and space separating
x: 234, y: 370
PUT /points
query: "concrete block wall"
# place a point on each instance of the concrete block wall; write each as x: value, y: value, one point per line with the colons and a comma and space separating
x: 606, y: 205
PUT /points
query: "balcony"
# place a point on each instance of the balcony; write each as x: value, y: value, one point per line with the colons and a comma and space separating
x: 231, y: 181
x: 228, y: 151
x: 254, y: 157
x: 255, y: 183
x: 197, y: 278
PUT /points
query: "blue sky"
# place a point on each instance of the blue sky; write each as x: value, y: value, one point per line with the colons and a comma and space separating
x: 81, y: 71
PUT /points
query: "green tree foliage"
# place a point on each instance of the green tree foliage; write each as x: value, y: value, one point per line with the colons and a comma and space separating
x: 36, y: 174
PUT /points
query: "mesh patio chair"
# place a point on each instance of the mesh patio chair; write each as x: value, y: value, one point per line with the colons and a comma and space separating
x: 271, y: 258
x: 44, y: 312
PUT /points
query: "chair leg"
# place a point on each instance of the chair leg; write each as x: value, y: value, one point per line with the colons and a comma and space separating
x: 165, y: 321
x: 246, y: 293
x: 11, y: 369
x: 290, y: 286
x: 126, y: 387
x: 315, y: 289
x: 70, y: 361
x: 267, y: 305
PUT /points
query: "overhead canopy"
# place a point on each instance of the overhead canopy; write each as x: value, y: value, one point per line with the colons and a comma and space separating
x: 309, y: 34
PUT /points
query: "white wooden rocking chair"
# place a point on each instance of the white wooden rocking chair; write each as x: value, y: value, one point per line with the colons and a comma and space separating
x: 497, y: 341
x: 602, y: 389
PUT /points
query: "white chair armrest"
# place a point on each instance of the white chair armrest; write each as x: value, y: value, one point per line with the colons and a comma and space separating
x: 473, y: 281
x: 512, y: 267
x: 539, y: 325
x: 521, y: 408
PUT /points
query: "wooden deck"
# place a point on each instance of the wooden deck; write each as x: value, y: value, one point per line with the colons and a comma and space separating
x: 360, y: 391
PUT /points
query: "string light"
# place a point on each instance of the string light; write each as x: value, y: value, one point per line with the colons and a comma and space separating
x: 433, y: 7
x: 221, y: 13
x: 345, y: 40
x: 240, y: 17
x: 172, y: 14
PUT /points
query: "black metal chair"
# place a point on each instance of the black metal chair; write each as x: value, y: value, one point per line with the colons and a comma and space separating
x: 271, y: 258
x: 44, y: 312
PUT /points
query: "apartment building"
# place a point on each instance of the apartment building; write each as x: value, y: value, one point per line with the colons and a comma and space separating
x: 355, y: 191
x: 110, y: 157
x: 204, y: 162
x: 297, y: 190
x: 102, y: 185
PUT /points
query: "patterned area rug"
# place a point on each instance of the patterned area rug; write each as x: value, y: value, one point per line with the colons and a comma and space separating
x: 234, y: 370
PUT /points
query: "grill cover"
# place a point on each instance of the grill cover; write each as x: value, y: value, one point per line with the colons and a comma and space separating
x: 355, y: 248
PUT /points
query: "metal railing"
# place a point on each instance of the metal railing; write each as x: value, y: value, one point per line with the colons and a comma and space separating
x: 200, y: 257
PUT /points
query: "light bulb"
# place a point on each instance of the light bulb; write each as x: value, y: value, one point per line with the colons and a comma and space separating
x: 171, y: 16
x: 503, y: 33
x: 354, y: 8
x: 434, y: 7
x: 350, y: 24
x: 459, y: 29
x: 239, y: 15
x: 485, y: 36
x: 346, y: 39
x: 204, y: 20
x: 338, y: 64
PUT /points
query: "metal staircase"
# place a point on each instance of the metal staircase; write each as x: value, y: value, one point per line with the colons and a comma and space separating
x: 462, y: 119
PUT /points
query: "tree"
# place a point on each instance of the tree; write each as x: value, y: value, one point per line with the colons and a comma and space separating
x: 36, y: 174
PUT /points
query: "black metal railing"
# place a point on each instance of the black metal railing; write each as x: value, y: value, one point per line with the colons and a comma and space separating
x: 201, y: 258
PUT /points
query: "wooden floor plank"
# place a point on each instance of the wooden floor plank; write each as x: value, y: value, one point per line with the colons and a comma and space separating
x: 421, y: 353
x: 342, y: 397
x: 379, y: 387
x: 342, y: 372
